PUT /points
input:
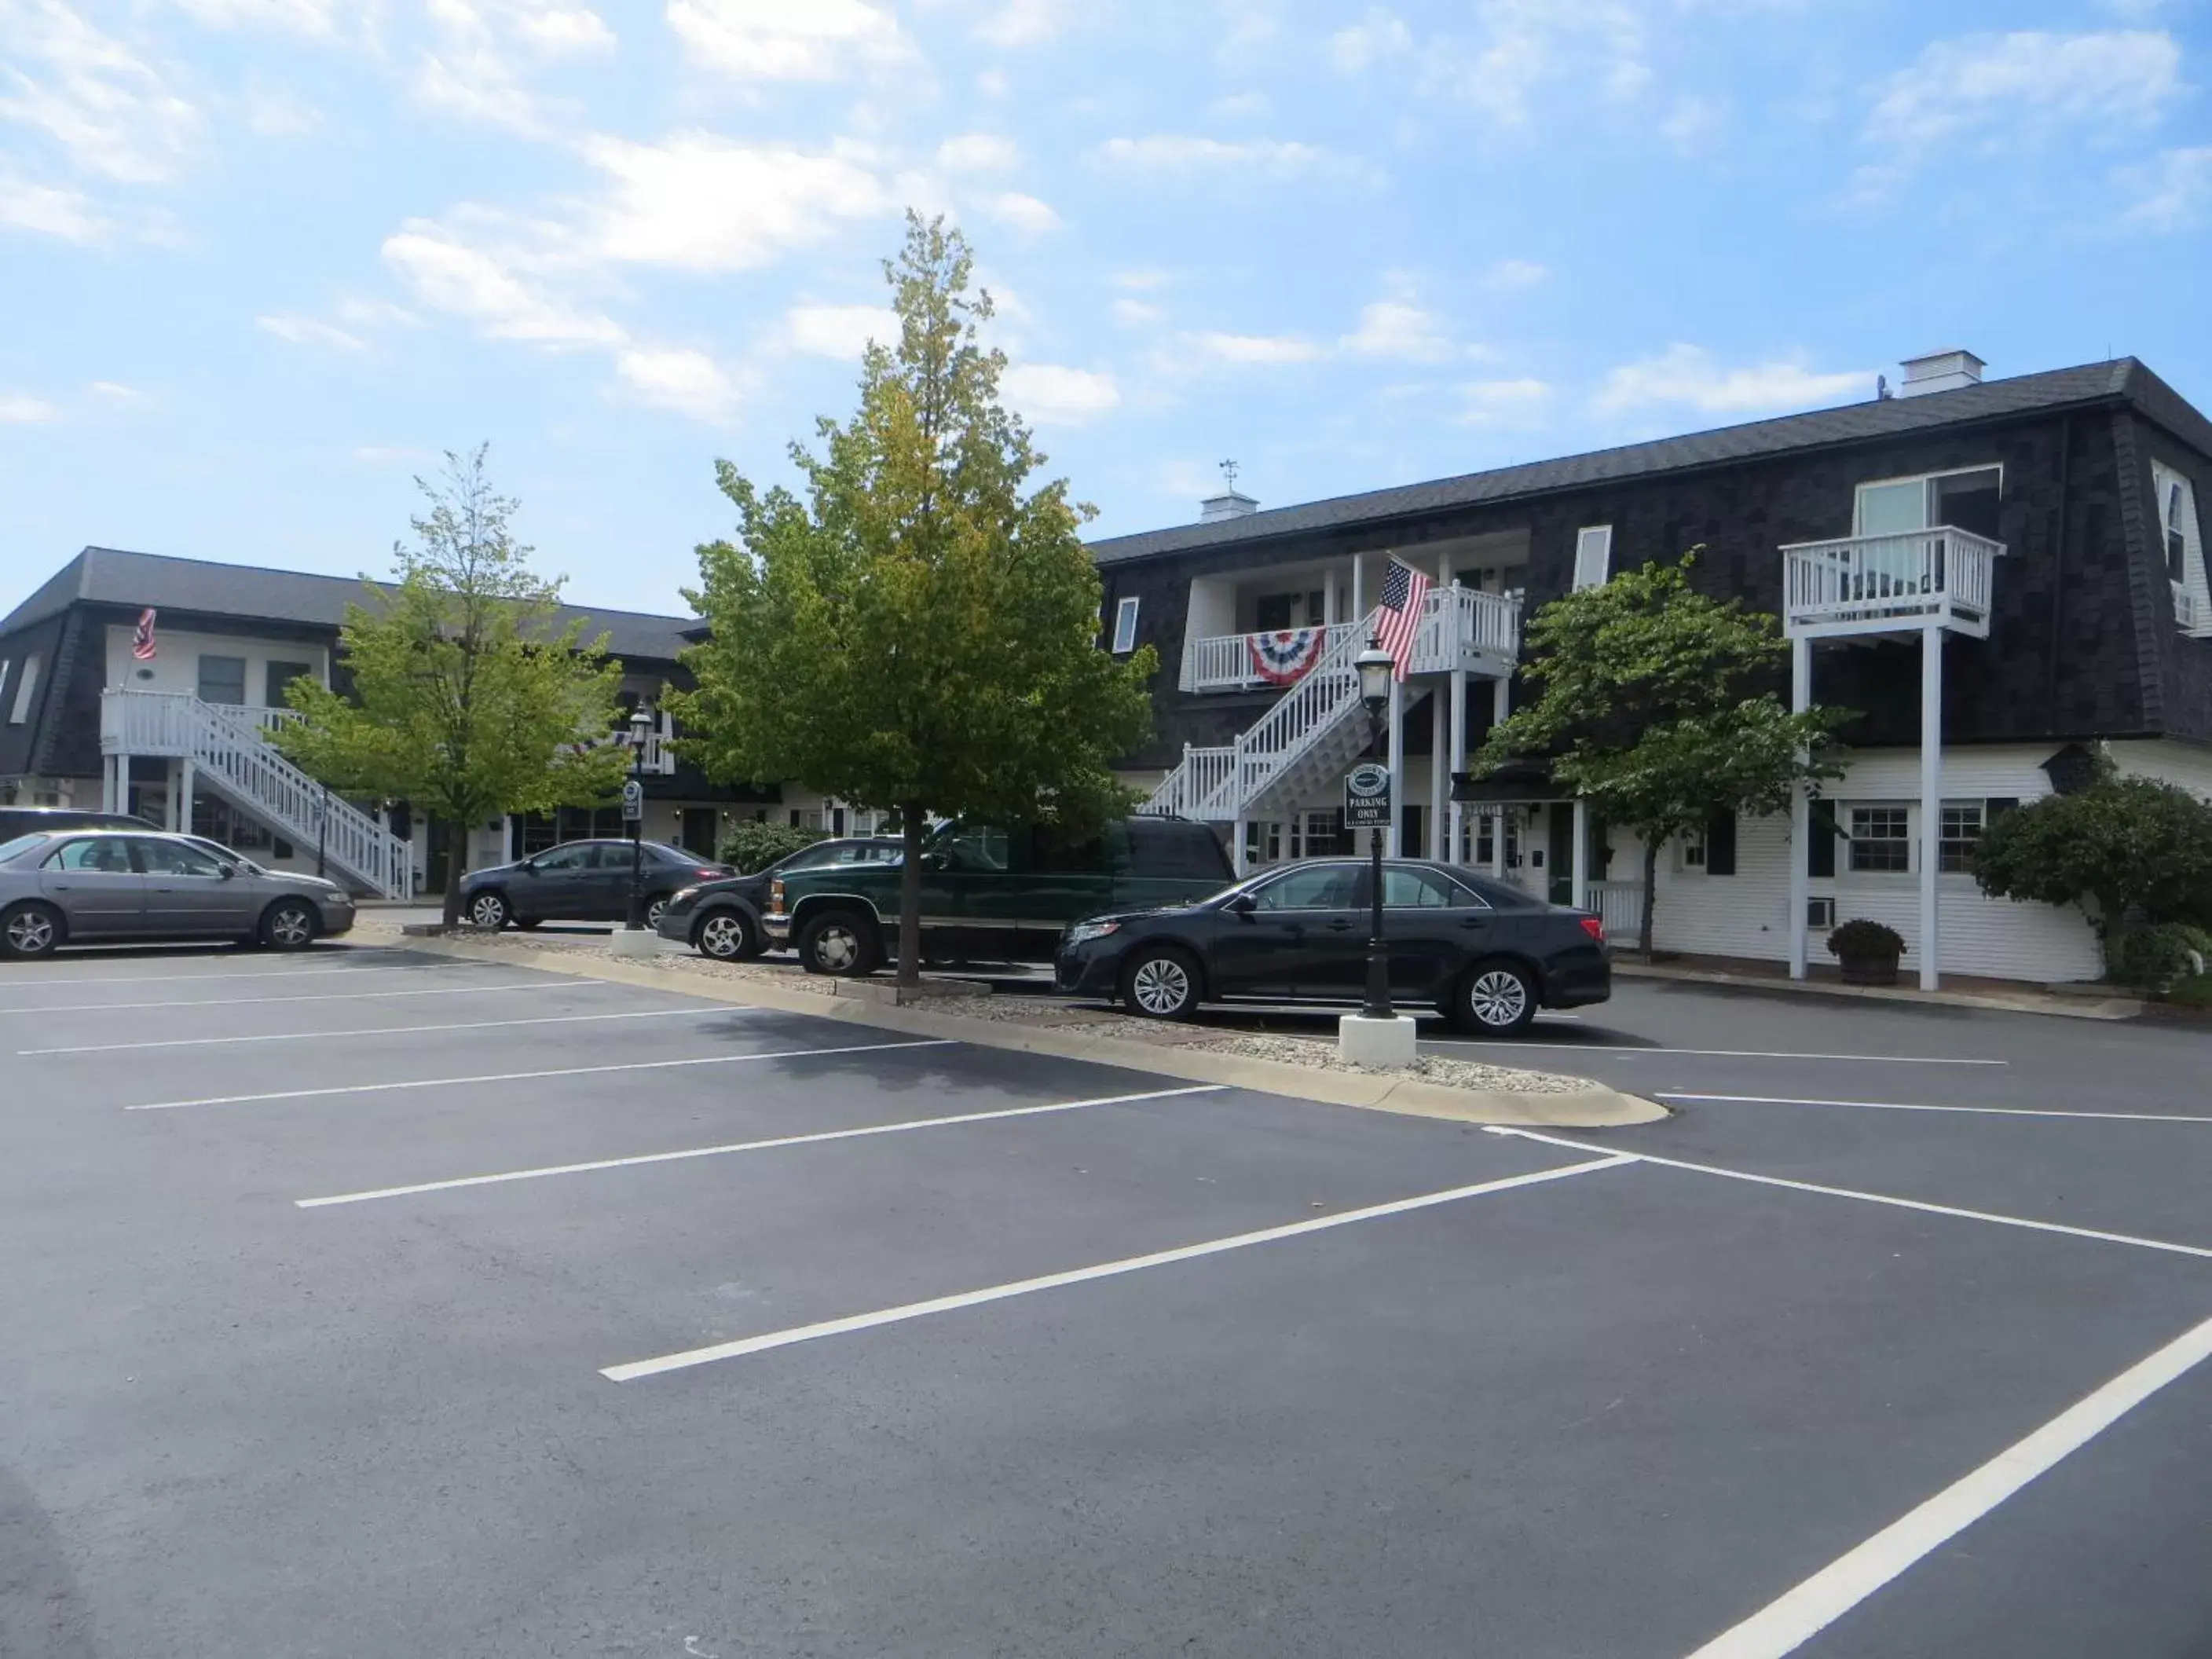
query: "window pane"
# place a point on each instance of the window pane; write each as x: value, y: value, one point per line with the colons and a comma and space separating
x: 1324, y: 887
x: 1968, y: 500
x: 281, y: 674
x: 25, y: 684
x: 176, y: 858
x: 105, y: 852
x: 1961, y: 831
x: 1882, y: 839
x: 571, y: 857
x: 1892, y: 509
x: 1125, y: 626
x: 222, y: 679
x: 1416, y: 889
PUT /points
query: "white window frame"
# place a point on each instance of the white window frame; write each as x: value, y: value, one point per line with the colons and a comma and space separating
x: 1924, y: 479
x: 1593, y: 556
x: 1125, y: 626
x: 1981, y: 811
x: 1847, y: 817
x: 6, y: 663
x: 1691, y: 860
x: 26, y: 686
x: 2175, y: 491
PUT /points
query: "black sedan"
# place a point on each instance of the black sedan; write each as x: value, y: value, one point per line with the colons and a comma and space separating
x: 1483, y: 953
x: 722, y: 919
x: 581, y: 881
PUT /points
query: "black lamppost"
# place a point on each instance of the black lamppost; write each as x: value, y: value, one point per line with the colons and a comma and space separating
x: 641, y: 727
x: 1376, y: 670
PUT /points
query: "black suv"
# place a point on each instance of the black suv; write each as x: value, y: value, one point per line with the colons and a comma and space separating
x: 994, y: 895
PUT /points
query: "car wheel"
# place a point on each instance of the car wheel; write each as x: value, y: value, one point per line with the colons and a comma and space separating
x: 655, y: 908
x: 726, y: 936
x: 30, y: 930
x: 840, y: 942
x: 1495, y: 999
x: 1161, y: 983
x: 490, y: 911
x: 290, y: 924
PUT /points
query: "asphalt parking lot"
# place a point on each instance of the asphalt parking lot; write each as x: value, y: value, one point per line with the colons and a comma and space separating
x: 370, y: 1302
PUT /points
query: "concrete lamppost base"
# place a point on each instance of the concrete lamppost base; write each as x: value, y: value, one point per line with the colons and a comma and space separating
x: 633, y: 943
x: 1364, y: 1042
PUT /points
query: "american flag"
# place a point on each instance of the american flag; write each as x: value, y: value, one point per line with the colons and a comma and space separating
x: 142, y: 639
x: 1398, y: 618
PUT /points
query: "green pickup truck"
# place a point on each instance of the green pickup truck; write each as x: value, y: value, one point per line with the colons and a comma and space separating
x: 991, y: 895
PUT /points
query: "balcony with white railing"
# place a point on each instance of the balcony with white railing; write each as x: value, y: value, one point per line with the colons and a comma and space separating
x: 1890, y: 583
x: 1461, y: 629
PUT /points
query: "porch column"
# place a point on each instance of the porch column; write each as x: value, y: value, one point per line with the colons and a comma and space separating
x: 1801, y: 816
x: 107, y: 783
x: 1931, y: 800
x: 1579, y: 870
x: 187, y: 775
x: 1440, y: 773
x: 1397, y: 766
x: 1237, y: 849
x: 1498, y: 839
x: 173, y: 774
x: 1501, y: 699
x: 1458, y: 817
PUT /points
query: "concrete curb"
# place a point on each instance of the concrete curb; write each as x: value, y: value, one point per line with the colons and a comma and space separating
x: 1594, y: 1107
x: 2058, y: 1007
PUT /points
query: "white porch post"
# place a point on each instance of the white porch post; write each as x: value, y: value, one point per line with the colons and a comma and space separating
x: 187, y: 773
x: 107, y: 783
x: 1390, y: 847
x: 1358, y: 613
x: 1579, y: 870
x: 1932, y: 800
x: 1440, y: 773
x: 1498, y: 839
x: 1236, y: 849
x: 172, y: 776
x: 1457, y: 855
x: 1801, y: 816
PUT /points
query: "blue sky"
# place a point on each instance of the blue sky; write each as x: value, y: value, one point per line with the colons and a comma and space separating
x: 260, y: 260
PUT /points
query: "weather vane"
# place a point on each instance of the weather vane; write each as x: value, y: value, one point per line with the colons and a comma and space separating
x: 1228, y: 472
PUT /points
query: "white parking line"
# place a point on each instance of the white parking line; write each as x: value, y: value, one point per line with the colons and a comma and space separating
x: 1784, y: 1625
x: 1720, y: 1054
x: 392, y: 1031
x: 2165, y: 1245
x: 12, y: 983
x: 676, y: 1361
x: 1902, y: 1106
x: 316, y: 996
x: 779, y: 1142
x: 525, y: 1077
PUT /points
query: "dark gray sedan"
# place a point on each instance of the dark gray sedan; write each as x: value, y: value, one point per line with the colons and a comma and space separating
x: 110, y: 886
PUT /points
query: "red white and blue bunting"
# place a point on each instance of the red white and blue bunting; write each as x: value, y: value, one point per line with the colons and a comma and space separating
x: 1284, y: 658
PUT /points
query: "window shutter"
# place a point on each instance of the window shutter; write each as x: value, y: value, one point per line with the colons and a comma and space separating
x: 1593, y: 556
x: 1821, y: 843
x: 1719, y: 845
x: 1997, y: 807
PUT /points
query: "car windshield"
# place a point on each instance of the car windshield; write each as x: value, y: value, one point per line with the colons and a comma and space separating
x: 15, y: 849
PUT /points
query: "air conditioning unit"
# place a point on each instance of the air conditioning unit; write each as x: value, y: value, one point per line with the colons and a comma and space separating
x: 1820, y: 913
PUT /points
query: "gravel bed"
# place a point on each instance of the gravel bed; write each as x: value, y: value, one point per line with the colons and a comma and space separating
x: 1044, y: 1012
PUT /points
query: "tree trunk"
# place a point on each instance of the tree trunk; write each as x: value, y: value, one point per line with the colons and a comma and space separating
x: 1650, y: 895
x: 909, y: 926
x: 457, y: 866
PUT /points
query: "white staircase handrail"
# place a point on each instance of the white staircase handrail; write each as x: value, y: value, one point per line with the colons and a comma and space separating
x: 228, y: 747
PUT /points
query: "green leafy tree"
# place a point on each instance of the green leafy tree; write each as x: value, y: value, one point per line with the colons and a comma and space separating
x: 2128, y: 851
x: 917, y: 632
x: 1654, y: 702
x: 469, y: 699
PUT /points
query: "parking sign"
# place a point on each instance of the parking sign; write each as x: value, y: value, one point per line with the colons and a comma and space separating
x: 633, y: 801
x: 1367, y: 797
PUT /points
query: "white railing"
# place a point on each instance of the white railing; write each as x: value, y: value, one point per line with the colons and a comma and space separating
x: 1619, y: 906
x: 228, y: 746
x: 1873, y: 584
x: 1219, y: 783
x: 1459, y: 624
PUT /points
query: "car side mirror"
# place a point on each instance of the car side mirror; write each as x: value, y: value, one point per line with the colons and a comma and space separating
x: 1241, y: 906
x: 935, y: 861
x: 228, y: 870
x: 530, y: 866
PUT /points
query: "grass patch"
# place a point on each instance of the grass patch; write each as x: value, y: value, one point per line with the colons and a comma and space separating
x: 2193, y: 992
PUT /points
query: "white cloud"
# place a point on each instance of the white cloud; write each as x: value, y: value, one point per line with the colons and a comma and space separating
x: 1025, y: 22
x: 47, y: 210
x: 1687, y: 376
x: 1049, y: 394
x: 17, y: 410
x: 1398, y: 329
x: 788, y: 40
x: 1519, y: 49
x: 1250, y: 350
x: 1168, y: 153
x: 1136, y: 313
x: 1142, y: 281
x: 704, y: 203
x: 565, y: 29
x: 376, y: 314
x: 839, y: 331
x: 104, y: 106
x: 1025, y: 213
x: 1516, y: 273
x: 1378, y: 36
x: 277, y: 112
x: 115, y: 391
x: 308, y: 332
x: 1490, y: 401
x: 475, y: 83
x: 1241, y: 105
x: 2173, y: 191
x: 979, y: 152
x: 991, y: 83
x: 1695, y: 124
x: 1997, y: 89
x: 689, y: 382
x: 447, y: 275
x: 317, y: 18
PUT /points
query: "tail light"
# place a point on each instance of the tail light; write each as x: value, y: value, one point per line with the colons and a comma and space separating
x: 708, y: 875
x: 1594, y: 927
x: 775, y: 894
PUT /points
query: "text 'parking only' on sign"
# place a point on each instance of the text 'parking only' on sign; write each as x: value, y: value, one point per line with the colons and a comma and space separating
x: 1367, y: 797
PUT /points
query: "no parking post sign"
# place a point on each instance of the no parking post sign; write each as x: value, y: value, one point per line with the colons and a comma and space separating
x: 1367, y: 797
x: 633, y: 801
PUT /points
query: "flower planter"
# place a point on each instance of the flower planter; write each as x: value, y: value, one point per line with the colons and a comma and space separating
x: 1869, y: 970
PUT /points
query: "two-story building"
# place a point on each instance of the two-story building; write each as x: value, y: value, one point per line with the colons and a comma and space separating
x: 1998, y: 575
x: 172, y: 726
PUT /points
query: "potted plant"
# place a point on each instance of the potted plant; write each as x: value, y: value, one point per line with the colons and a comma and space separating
x: 1868, y: 951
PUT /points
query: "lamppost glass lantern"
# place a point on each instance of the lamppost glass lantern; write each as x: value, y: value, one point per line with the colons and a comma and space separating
x: 1376, y: 670
x: 641, y: 728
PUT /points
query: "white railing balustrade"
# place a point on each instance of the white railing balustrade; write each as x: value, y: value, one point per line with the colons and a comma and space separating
x: 230, y: 746
x: 1460, y: 629
x: 1619, y: 906
x: 1875, y: 584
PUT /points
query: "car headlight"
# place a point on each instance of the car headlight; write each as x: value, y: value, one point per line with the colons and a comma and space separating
x: 1084, y: 932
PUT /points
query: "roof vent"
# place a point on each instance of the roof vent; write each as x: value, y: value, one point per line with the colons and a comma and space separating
x: 1940, y: 371
x: 1230, y: 504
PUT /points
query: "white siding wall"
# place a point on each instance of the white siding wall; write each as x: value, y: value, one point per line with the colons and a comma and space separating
x: 177, y: 668
x: 2168, y: 762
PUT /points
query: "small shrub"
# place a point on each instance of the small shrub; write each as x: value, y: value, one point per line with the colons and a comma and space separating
x: 753, y: 847
x: 1862, y: 937
x: 2152, y: 958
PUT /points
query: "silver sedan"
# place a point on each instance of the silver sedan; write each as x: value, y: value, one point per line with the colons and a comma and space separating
x: 111, y: 886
